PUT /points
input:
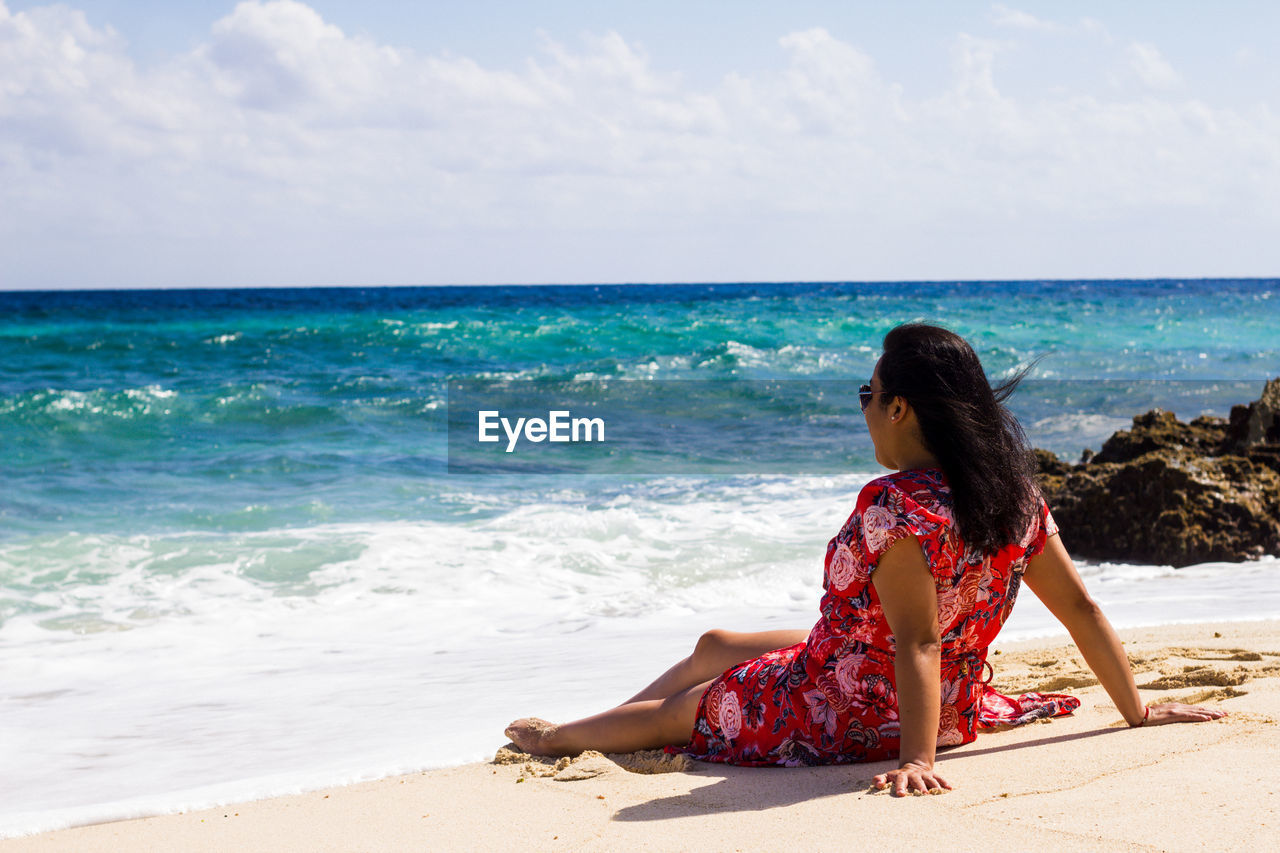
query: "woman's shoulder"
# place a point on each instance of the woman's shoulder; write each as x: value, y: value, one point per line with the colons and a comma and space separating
x: 916, y: 484
x: 919, y: 498
x: 915, y: 502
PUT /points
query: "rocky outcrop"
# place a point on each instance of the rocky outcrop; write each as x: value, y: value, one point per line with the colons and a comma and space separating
x: 1174, y: 493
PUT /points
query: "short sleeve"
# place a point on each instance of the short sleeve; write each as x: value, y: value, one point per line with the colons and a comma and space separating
x: 885, y: 514
x: 1045, y: 527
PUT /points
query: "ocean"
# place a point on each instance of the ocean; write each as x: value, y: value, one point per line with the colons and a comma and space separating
x: 244, y: 550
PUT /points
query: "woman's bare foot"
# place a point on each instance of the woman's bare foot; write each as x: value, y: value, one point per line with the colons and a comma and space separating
x: 533, y: 735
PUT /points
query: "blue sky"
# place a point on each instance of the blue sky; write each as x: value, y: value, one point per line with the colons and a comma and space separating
x: 150, y: 144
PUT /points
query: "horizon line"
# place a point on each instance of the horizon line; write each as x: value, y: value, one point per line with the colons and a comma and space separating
x: 612, y: 284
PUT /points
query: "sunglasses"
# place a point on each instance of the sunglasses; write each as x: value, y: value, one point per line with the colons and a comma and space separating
x: 864, y: 396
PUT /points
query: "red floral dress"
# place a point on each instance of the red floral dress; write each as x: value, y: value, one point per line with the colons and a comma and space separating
x: 832, y: 699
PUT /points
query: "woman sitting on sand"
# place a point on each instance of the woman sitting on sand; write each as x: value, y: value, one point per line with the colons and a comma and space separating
x: 917, y: 584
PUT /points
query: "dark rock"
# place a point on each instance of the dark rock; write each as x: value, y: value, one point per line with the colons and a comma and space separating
x: 1050, y: 464
x: 1169, y: 492
x: 1256, y: 423
x: 1160, y: 430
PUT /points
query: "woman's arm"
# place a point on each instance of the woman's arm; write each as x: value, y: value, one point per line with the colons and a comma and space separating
x: 1053, y: 578
x: 905, y: 586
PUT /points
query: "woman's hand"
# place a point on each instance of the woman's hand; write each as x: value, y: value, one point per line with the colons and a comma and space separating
x: 1176, y: 712
x: 912, y: 777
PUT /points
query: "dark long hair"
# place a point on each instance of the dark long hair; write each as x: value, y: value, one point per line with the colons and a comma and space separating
x: 980, y: 445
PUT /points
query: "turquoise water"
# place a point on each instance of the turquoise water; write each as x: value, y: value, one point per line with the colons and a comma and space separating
x: 247, y: 410
x: 232, y: 548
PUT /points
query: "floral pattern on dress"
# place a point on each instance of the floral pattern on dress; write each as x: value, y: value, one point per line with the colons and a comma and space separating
x: 832, y: 699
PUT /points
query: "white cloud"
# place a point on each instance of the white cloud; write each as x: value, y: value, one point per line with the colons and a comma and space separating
x: 974, y: 62
x: 1016, y: 19
x: 1246, y: 57
x: 1151, y: 67
x: 285, y: 151
x: 1093, y: 25
x: 1003, y: 16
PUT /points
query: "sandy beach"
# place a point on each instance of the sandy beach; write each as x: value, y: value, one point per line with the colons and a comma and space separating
x: 1083, y: 782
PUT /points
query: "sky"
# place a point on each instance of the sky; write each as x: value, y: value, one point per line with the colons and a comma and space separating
x: 282, y: 143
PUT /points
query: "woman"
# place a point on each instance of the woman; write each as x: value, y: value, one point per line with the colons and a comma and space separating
x: 917, y: 584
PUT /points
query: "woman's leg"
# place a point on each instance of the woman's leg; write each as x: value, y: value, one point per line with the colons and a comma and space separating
x: 716, y: 651
x: 663, y: 713
x: 646, y: 724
